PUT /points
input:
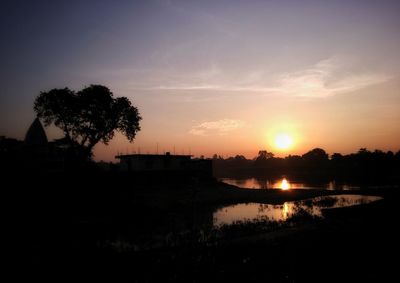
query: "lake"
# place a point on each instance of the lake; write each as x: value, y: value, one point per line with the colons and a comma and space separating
x: 285, y: 183
x: 281, y: 212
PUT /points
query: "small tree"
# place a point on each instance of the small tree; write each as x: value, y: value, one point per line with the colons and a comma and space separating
x: 263, y: 155
x: 316, y: 155
x: 316, y: 158
x: 88, y: 116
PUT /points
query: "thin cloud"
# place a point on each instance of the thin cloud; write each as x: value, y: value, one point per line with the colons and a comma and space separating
x: 220, y: 127
x: 326, y: 78
x: 218, y: 88
x: 329, y: 77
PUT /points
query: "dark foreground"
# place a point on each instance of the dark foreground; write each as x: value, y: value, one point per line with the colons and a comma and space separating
x: 108, y: 228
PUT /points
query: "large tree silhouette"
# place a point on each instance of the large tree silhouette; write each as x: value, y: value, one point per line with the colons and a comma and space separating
x: 88, y: 116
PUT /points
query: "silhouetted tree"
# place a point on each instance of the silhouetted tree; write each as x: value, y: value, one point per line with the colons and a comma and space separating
x: 88, y: 116
x: 316, y: 160
x: 240, y: 158
x: 315, y: 155
x: 336, y: 157
x: 264, y: 155
x: 293, y: 162
x: 362, y: 165
x: 238, y: 161
x: 217, y: 157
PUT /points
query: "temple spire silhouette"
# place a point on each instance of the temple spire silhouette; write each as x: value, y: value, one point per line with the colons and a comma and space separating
x: 36, y: 134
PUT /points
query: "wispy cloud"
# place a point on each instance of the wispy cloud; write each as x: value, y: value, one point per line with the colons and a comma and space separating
x: 219, y: 88
x: 220, y: 127
x: 326, y: 78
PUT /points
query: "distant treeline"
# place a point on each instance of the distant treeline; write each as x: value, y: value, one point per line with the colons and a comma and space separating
x: 315, y: 163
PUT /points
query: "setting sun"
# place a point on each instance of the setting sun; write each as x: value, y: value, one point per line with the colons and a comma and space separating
x: 283, y: 141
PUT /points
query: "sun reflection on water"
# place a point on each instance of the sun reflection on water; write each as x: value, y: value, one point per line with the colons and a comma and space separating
x: 285, y: 211
x: 284, y: 184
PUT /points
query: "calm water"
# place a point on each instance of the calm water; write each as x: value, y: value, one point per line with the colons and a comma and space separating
x: 285, y: 184
x: 282, y: 212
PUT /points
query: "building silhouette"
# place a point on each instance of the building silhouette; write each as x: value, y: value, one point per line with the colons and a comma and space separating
x: 163, y: 163
x: 36, y: 136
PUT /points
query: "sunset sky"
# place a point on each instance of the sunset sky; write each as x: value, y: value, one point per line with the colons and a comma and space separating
x: 225, y: 77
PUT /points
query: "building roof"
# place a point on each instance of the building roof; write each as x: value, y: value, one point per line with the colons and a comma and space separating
x: 36, y: 134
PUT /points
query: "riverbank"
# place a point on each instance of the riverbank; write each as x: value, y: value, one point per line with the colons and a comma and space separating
x: 353, y: 243
x: 108, y: 229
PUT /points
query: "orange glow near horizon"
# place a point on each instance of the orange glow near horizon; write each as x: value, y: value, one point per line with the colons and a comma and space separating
x: 284, y: 137
x: 294, y: 139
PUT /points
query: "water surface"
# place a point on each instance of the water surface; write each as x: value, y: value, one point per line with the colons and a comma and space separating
x: 282, y: 212
x: 286, y: 184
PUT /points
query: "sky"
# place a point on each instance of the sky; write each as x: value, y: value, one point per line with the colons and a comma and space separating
x: 224, y: 77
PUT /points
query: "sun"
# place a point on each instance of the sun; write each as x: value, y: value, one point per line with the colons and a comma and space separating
x: 283, y: 141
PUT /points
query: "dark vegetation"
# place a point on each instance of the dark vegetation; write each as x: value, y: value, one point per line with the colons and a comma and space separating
x: 363, y: 166
x: 88, y: 116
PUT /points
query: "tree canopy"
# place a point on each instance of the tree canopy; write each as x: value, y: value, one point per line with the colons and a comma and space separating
x: 316, y: 155
x: 88, y: 116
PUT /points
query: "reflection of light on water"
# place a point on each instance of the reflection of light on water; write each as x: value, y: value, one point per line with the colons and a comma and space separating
x: 248, y: 212
x: 285, y: 185
x: 285, y: 211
